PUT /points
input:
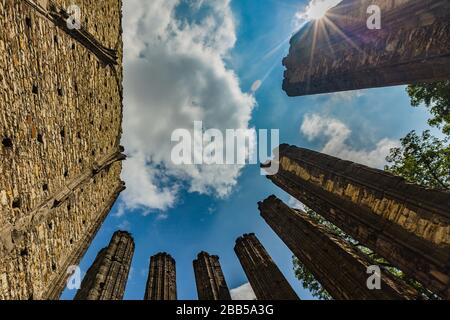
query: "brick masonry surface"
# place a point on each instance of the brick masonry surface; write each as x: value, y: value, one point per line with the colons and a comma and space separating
x: 60, y: 127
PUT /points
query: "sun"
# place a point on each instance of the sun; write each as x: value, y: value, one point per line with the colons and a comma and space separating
x: 317, y: 9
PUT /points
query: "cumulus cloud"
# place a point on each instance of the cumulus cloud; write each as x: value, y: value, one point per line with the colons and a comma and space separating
x: 142, y: 188
x: 337, y: 136
x: 176, y: 73
x: 244, y: 292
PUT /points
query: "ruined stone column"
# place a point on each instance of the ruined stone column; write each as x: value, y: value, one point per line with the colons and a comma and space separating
x: 265, y: 278
x: 211, y: 284
x: 106, y: 279
x: 161, y: 282
x: 406, y: 224
x: 339, y: 52
x: 339, y: 267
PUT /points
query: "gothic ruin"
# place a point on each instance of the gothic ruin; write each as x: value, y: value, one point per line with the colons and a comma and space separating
x: 60, y: 128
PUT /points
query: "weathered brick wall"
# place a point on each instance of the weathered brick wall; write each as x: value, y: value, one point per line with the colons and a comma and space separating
x: 266, y: 279
x: 60, y: 127
x: 339, y: 267
x: 211, y: 284
x: 340, y: 53
x: 106, y: 279
x: 405, y: 223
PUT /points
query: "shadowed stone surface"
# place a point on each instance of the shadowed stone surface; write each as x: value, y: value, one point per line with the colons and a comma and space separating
x: 211, y: 284
x: 60, y: 127
x: 161, y: 282
x: 406, y: 224
x: 339, y: 267
x: 106, y: 279
x: 265, y: 278
x: 339, y: 52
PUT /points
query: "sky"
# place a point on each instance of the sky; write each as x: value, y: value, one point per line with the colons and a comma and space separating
x: 219, y: 61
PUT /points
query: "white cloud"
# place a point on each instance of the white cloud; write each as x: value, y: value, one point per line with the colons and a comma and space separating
x: 295, y: 204
x: 162, y: 216
x: 125, y: 225
x: 142, y: 191
x: 244, y: 292
x: 175, y: 74
x: 316, y: 9
x: 315, y: 126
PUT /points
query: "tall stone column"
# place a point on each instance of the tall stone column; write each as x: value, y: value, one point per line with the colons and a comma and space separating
x: 211, y: 284
x: 339, y: 52
x: 339, y: 267
x: 161, y: 282
x: 406, y: 224
x: 106, y: 279
x: 266, y: 279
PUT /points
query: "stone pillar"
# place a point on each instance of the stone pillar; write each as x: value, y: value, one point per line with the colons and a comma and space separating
x: 406, y: 224
x: 339, y: 52
x: 211, y: 284
x: 161, y: 282
x: 106, y: 279
x: 339, y: 267
x: 266, y: 279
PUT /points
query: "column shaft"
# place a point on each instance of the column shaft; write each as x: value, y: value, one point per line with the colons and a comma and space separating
x: 340, y: 52
x: 266, y: 279
x: 107, y: 277
x: 161, y: 282
x: 406, y: 224
x: 339, y: 267
x: 211, y: 284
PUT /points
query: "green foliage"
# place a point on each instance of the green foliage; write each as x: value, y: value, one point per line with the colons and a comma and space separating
x: 436, y: 97
x: 309, y: 282
x: 424, y: 160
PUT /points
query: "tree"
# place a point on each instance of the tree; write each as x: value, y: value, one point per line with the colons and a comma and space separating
x: 309, y: 282
x: 436, y: 97
x: 424, y: 160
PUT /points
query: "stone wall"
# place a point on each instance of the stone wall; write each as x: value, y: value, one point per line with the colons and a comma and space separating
x: 405, y: 223
x: 60, y: 127
x: 340, y: 53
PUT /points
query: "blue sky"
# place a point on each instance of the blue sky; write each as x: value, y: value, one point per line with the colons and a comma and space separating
x: 183, y: 217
